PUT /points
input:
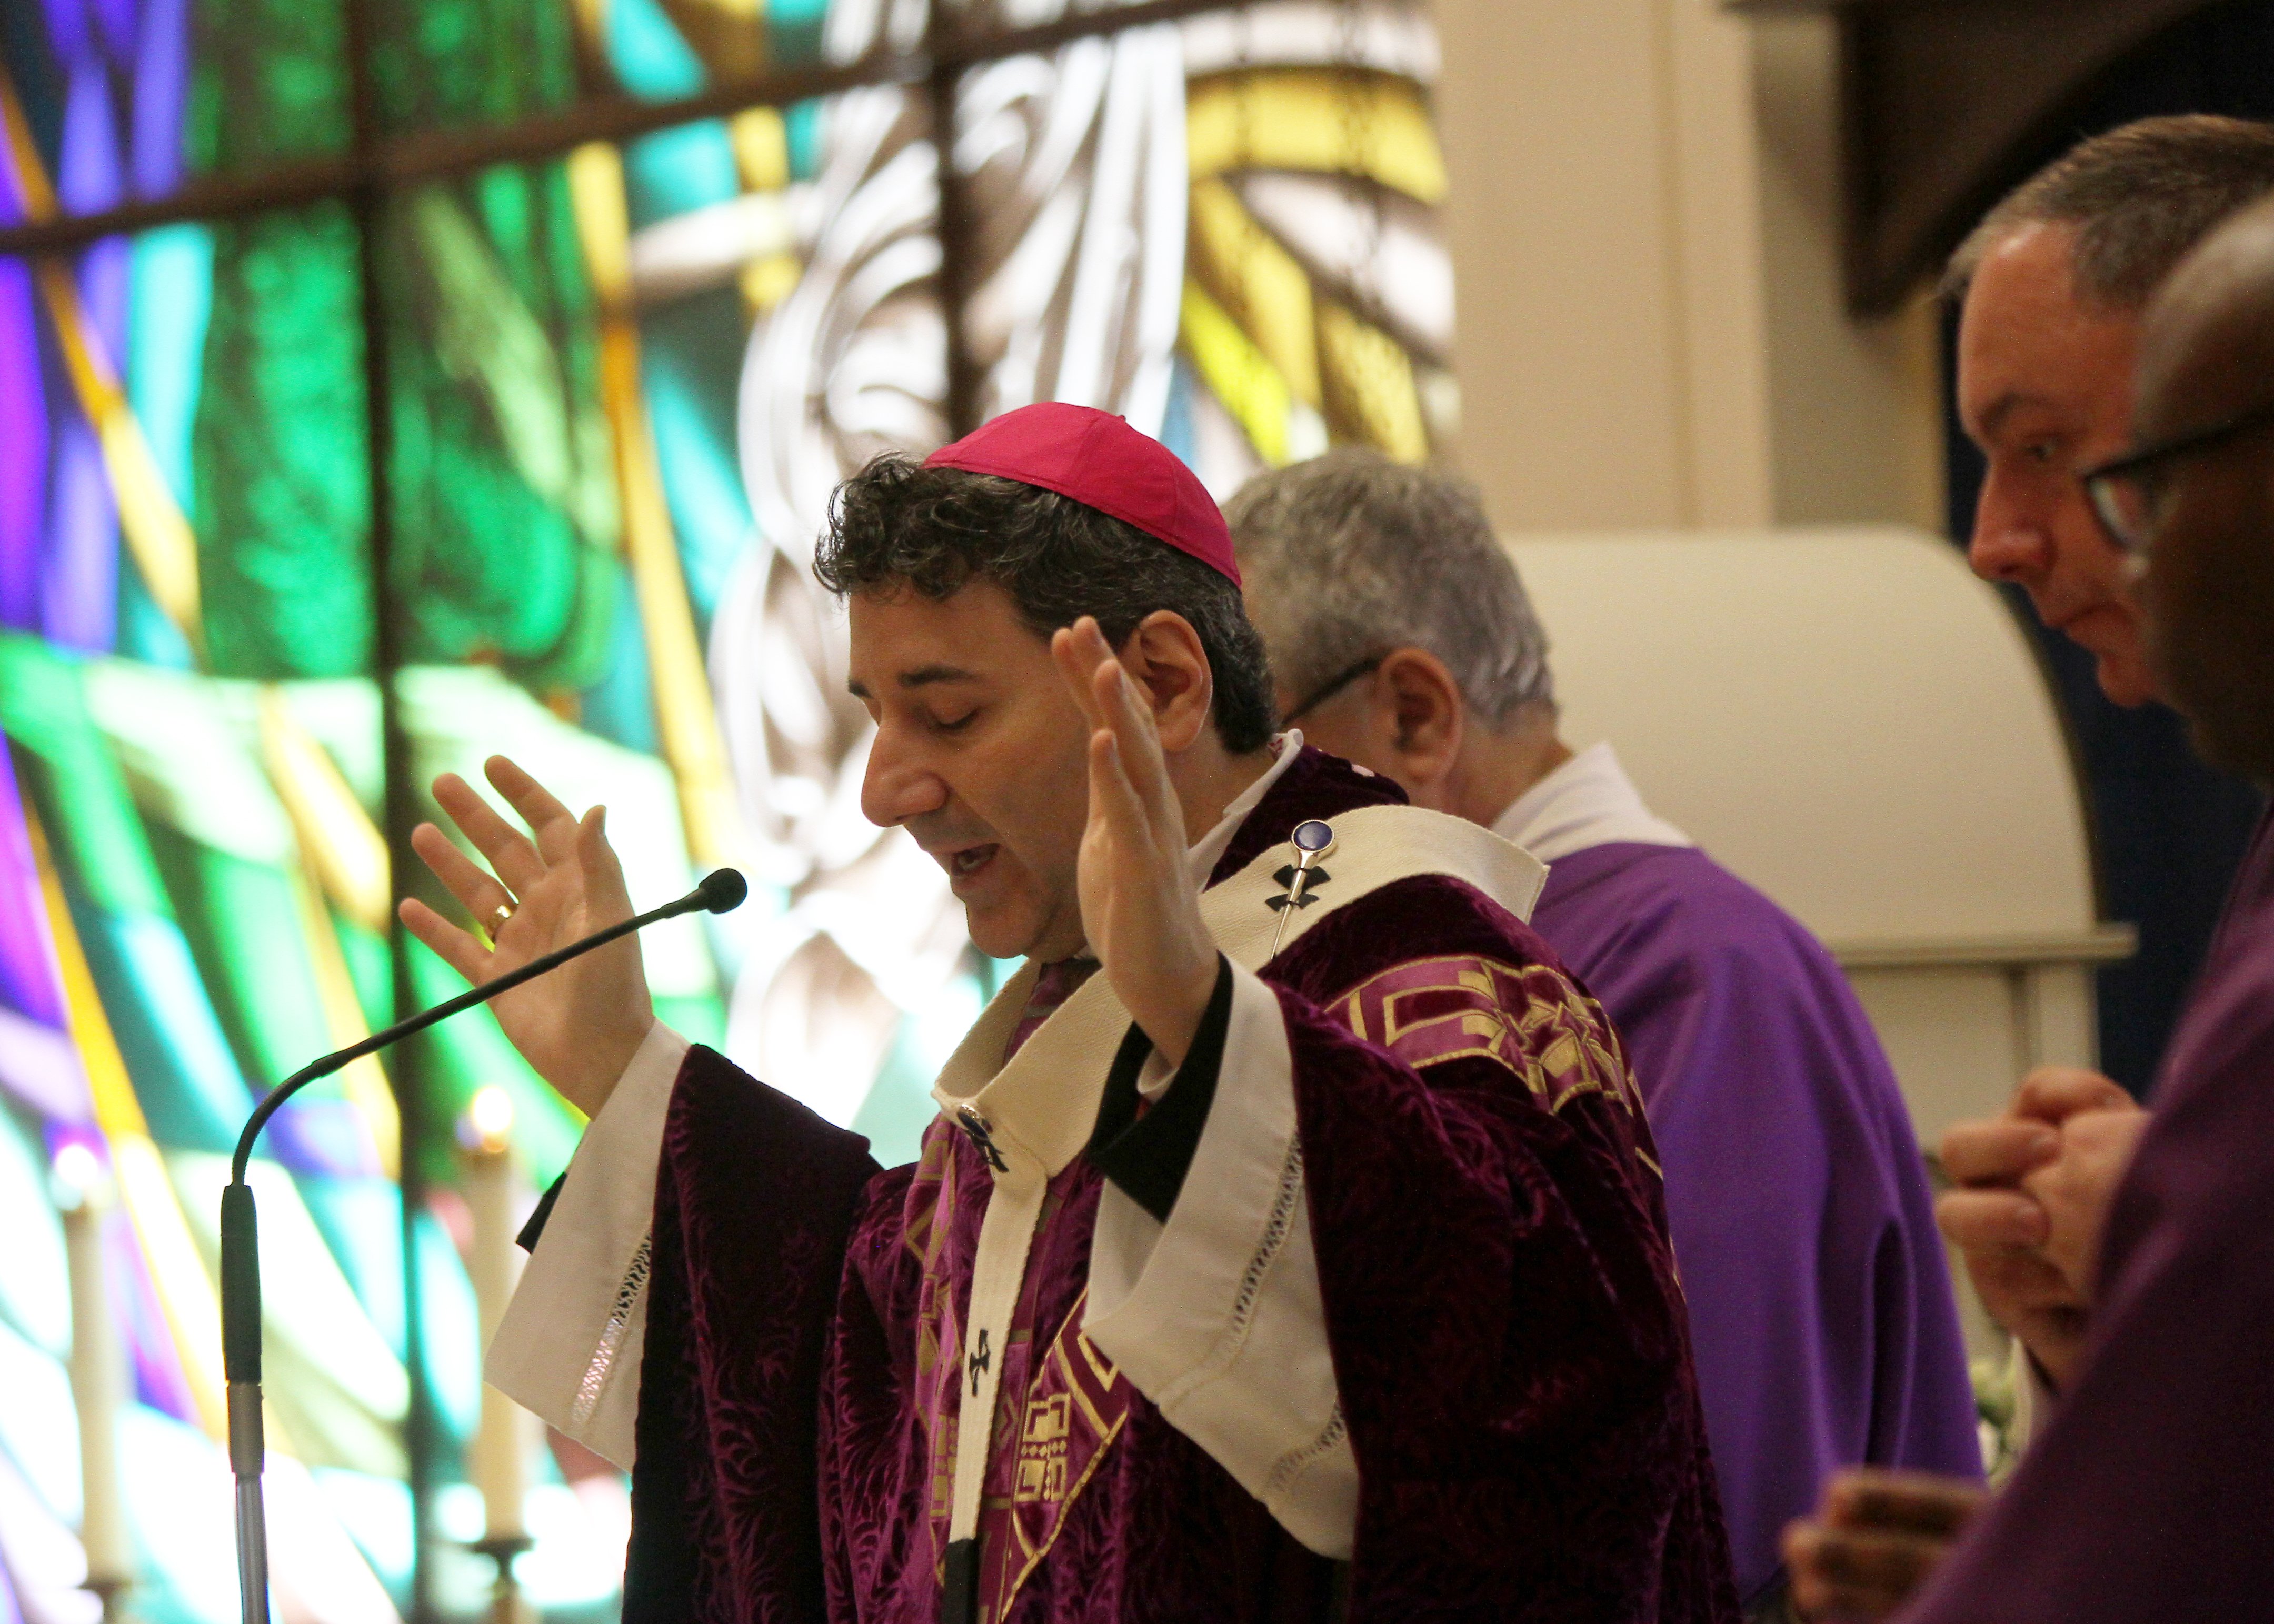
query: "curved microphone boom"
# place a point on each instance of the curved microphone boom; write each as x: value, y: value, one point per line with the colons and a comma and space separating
x: 721, y: 889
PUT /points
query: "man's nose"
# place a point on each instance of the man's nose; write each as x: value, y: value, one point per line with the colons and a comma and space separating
x: 896, y: 786
x: 2013, y: 533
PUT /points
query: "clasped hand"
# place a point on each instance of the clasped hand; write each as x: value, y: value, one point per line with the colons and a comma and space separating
x: 2034, y: 1187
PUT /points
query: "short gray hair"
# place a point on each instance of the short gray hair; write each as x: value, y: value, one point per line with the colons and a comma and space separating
x: 1352, y: 555
x: 2140, y: 198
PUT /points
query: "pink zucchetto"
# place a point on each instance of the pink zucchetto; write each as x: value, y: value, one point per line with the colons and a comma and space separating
x: 1099, y: 461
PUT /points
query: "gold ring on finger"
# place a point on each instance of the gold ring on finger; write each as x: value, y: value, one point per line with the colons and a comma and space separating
x: 494, y: 920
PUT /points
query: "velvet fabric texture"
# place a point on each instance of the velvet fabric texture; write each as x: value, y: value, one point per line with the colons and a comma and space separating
x: 2146, y: 1496
x: 1820, y: 1308
x: 1509, y: 1342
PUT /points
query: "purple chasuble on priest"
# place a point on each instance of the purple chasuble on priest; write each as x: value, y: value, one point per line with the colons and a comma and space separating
x: 1508, y: 1339
x: 2147, y: 1495
x: 1820, y: 1308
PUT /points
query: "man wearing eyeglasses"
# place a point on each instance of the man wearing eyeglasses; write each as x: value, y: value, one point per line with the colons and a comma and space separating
x: 1820, y: 1308
x: 2053, y: 283
x: 2146, y: 1495
x: 2056, y: 282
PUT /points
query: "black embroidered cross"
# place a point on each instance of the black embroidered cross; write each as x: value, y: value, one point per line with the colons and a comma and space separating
x: 1313, y: 879
x: 980, y: 1359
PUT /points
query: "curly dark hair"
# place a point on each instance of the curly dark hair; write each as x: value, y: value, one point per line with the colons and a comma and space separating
x: 897, y: 523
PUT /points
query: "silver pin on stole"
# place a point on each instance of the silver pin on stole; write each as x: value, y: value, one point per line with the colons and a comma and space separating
x: 1311, y: 842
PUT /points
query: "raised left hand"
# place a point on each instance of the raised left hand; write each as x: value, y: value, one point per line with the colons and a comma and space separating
x: 557, y: 880
x: 1139, y: 906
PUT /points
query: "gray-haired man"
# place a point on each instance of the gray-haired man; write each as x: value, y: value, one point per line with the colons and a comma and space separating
x: 1821, y: 1313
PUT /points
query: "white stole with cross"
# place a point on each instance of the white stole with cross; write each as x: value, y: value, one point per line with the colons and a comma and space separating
x: 1034, y: 1114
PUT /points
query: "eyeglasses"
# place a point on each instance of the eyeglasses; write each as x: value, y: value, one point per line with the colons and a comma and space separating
x: 1333, y: 686
x: 2128, y: 494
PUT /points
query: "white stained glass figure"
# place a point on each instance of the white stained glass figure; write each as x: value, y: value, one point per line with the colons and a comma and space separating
x: 1076, y: 175
x: 850, y: 363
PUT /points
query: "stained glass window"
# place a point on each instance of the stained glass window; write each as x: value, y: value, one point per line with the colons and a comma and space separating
x: 386, y: 384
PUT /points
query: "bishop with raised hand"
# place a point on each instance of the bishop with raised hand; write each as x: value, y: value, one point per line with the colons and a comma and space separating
x: 1264, y: 1261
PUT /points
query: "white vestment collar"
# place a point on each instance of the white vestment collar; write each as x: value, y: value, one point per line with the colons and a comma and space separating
x: 1588, y: 801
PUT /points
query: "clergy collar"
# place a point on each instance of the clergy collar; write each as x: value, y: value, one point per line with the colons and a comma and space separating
x: 1209, y: 849
x: 1588, y: 801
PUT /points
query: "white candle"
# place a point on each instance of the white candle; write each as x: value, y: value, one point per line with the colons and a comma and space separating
x: 502, y: 1446
x: 97, y: 1371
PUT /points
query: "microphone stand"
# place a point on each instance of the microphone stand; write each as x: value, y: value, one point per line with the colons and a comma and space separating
x: 240, y: 1255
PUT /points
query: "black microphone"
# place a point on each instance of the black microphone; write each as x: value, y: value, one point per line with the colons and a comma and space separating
x: 721, y: 889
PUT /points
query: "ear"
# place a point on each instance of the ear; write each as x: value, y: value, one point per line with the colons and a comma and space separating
x: 1428, y: 717
x: 1165, y: 656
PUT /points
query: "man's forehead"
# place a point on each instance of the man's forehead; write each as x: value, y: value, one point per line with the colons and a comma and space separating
x: 2027, y: 281
x: 2025, y: 354
x: 934, y: 675
x: 2033, y: 247
x: 903, y: 640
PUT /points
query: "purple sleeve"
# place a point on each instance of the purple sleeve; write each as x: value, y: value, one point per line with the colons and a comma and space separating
x: 754, y: 1198
x: 1509, y: 1336
x: 1821, y: 1310
x: 2146, y: 1497
x: 1820, y: 1306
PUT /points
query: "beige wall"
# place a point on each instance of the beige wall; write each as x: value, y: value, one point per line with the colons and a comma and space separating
x: 1645, y: 227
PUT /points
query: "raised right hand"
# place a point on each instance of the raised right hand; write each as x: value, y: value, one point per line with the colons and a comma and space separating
x: 579, y: 1026
x: 2002, y: 1229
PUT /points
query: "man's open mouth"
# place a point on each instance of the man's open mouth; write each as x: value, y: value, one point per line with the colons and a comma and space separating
x: 971, y: 860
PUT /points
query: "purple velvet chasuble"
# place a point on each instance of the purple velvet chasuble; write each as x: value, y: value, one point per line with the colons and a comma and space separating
x: 1509, y: 1340
x: 1820, y: 1308
x: 2147, y: 1496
